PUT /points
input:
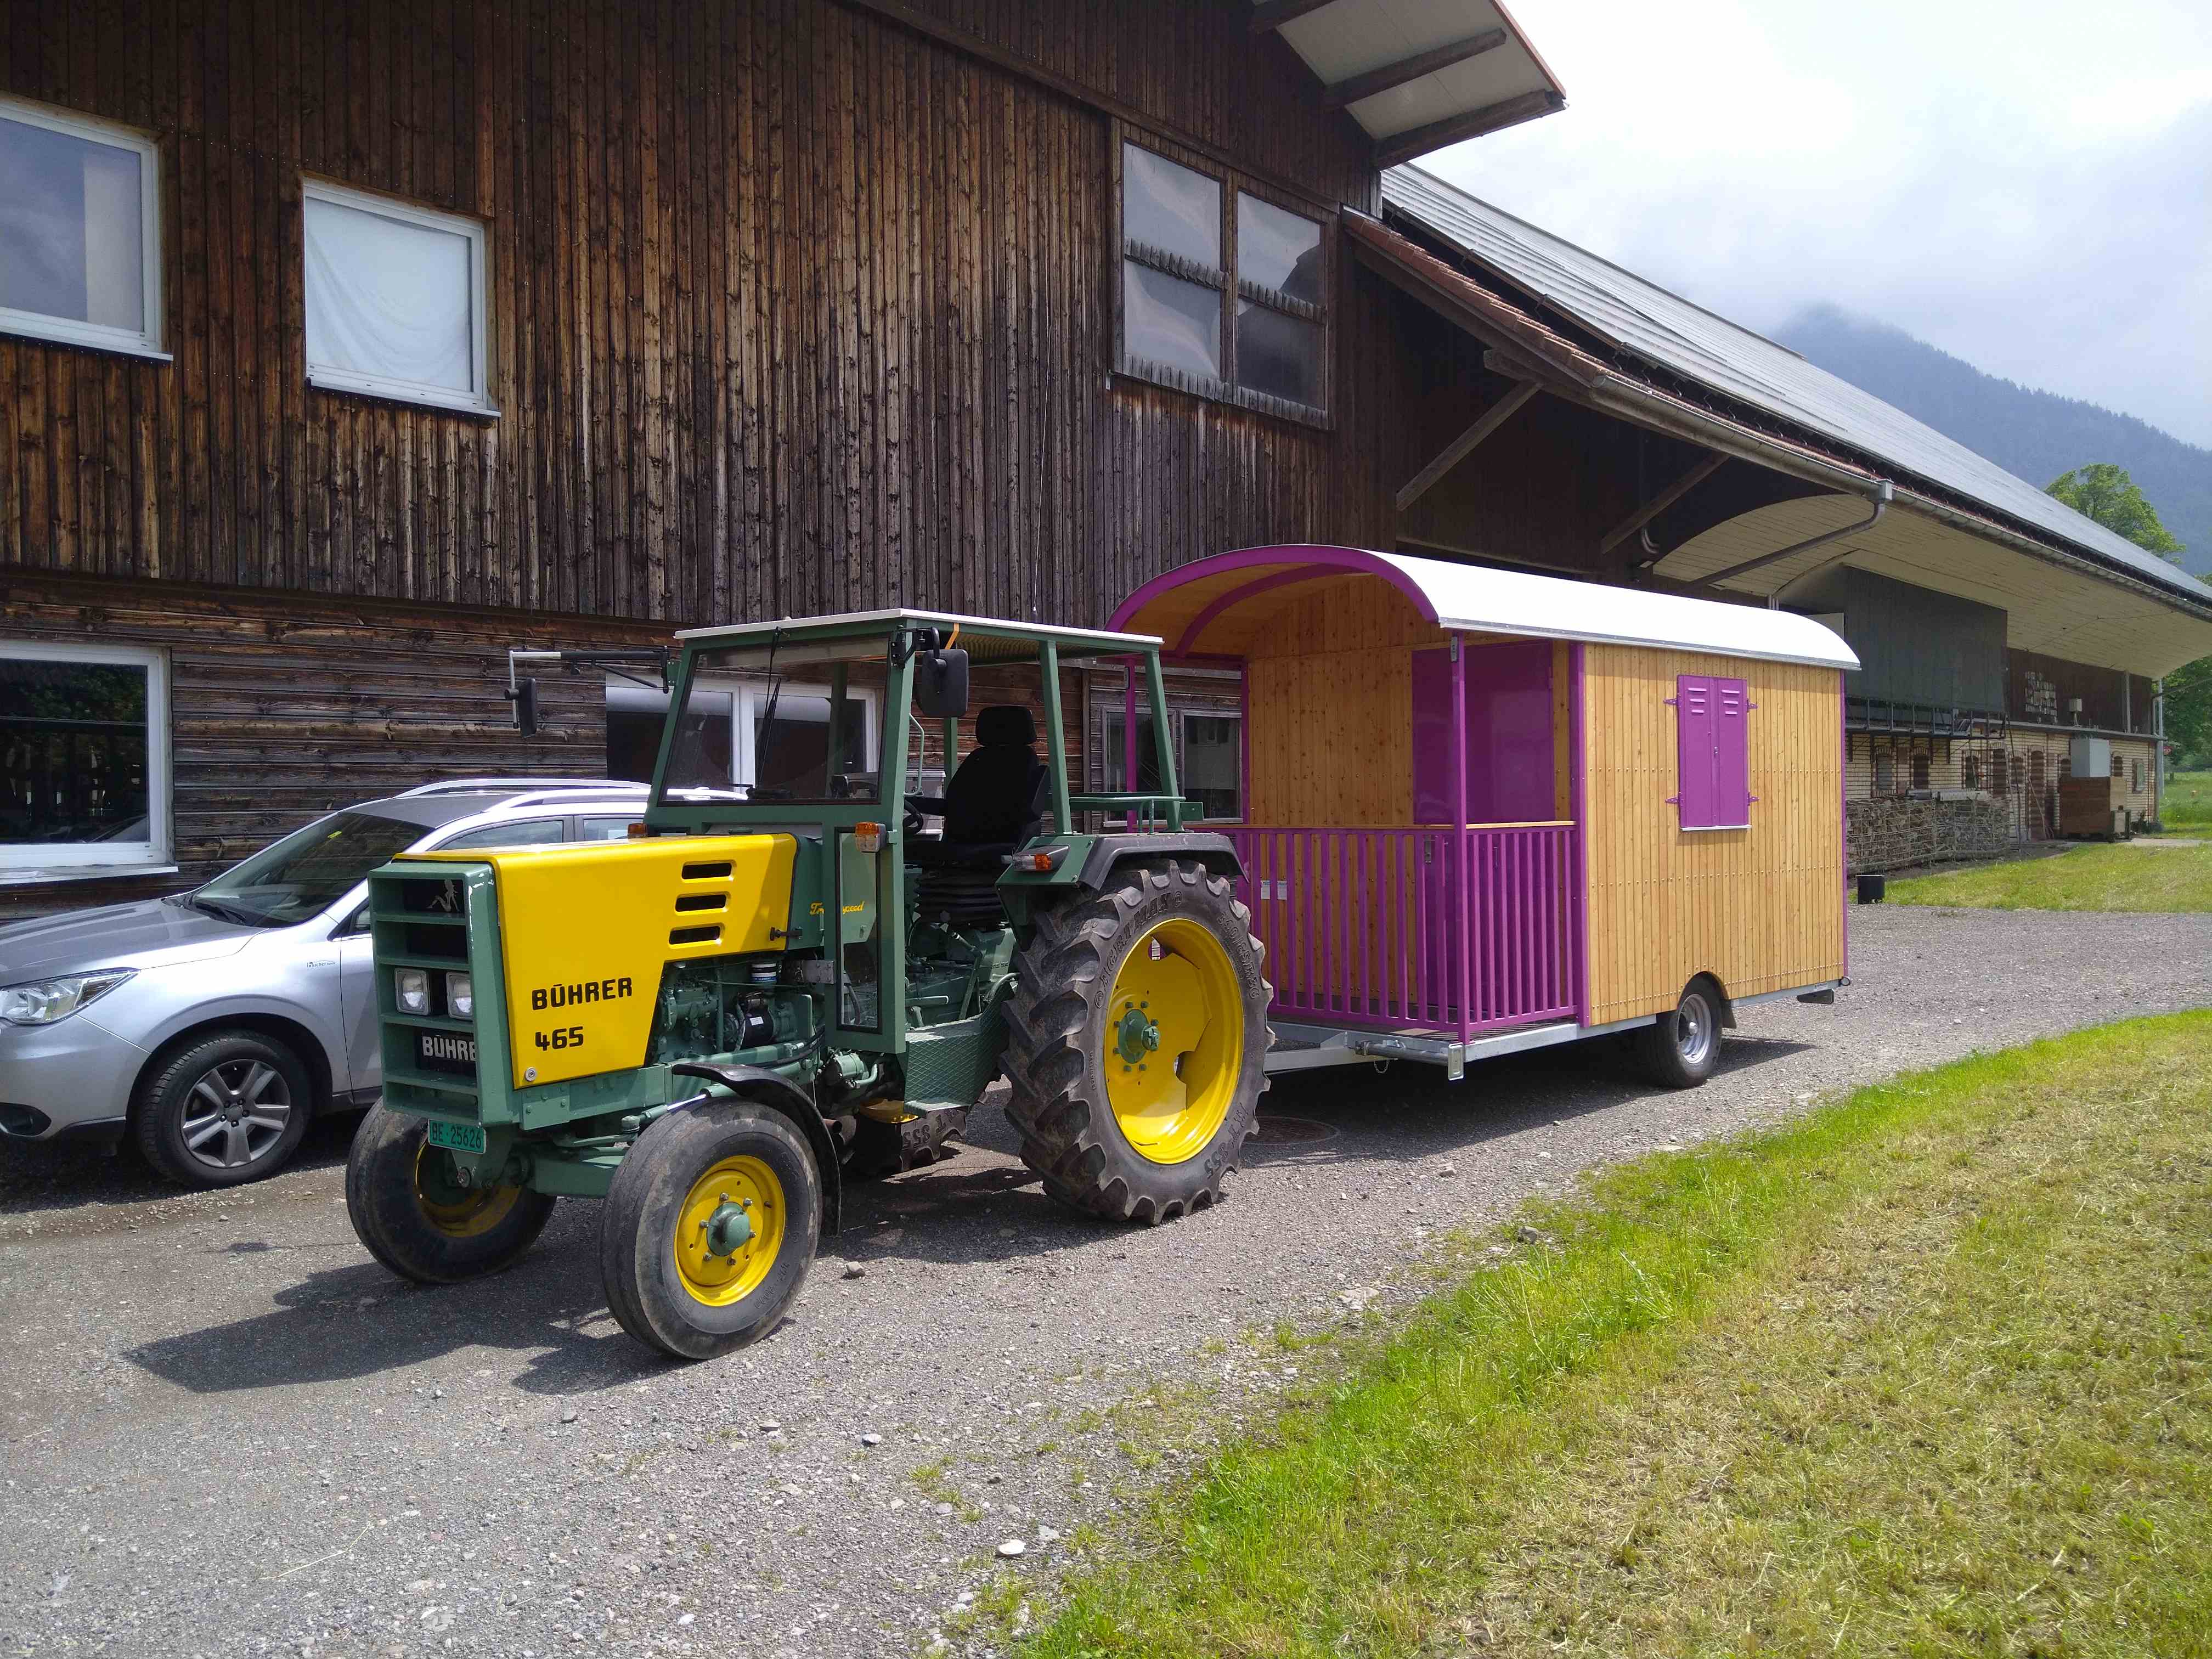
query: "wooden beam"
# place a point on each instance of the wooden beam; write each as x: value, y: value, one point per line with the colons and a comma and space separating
x: 1509, y: 112
x: 1271, y: 14
x: 1463, y: 446
x: 1354, y: 87
x: 1659, y: 503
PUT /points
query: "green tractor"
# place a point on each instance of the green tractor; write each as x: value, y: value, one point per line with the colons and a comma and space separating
x: 774, y: 987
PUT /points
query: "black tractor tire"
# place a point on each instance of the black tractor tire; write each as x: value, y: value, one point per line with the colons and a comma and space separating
x: 1061, y: 1034
x: 1681, y: 1048
x: 664, y: 1283
x: 181, y: 1116
x: 410, y: 1215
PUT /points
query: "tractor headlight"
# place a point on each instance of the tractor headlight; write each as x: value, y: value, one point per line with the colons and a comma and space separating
x: 43, y: 1001
x: 460, y: 997
x: 411, y: 986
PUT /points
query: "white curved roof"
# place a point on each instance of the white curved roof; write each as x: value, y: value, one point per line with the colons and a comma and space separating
x: 1479, y: 600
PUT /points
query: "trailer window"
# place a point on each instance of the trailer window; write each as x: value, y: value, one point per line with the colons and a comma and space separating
x: 1713, y: 751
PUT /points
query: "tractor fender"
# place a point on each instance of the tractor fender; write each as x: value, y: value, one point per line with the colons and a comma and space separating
x: 774, y: 1089
x: 1216, y: 853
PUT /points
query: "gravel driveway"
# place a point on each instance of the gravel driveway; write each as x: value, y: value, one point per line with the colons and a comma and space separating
x: 227, y: 1431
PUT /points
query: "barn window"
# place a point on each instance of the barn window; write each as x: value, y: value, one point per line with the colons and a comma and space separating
x: 1884, y: 772
x: 1223, y: 292
x: 1713, y: 753
x: 395, y: 300
x: 2001, y: 772
x: 81, y: 246
x: 84, y: 757
x: 1970, y: 771
x: 1920, y: 771
x: 2135, y: 775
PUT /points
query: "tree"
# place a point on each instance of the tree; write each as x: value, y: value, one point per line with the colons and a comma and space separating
x: 2189, y: 712
x: 2105, y: 493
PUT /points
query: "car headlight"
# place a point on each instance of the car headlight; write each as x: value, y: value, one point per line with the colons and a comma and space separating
x: 460, y: 997
x: 43, y: 1001
x: 412, y: 988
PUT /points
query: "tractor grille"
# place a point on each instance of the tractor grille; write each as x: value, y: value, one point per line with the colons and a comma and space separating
x: 424, y: 921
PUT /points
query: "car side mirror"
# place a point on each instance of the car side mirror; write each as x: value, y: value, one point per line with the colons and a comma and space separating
x: 940, y: 684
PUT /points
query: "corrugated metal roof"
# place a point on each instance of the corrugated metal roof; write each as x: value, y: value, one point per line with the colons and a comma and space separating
x: 1666, y: 330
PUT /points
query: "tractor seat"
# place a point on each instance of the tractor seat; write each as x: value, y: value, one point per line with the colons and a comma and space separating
x: 995, y: 802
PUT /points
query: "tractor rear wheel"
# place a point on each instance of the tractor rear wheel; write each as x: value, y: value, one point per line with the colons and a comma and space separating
x: 417, y: 1220
x: 1135, y: 1043
x: 709, y: 1228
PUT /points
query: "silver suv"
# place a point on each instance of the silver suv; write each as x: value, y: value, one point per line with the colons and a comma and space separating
x: 210, y: 1026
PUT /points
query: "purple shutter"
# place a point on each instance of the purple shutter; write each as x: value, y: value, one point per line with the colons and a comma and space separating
x: 1695, y: 746
x: 1731, y: 752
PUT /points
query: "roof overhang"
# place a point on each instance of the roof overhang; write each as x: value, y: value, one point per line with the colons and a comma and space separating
x: 1212, y: 608
x: 2053, y: 605
x: 2070, y: 605
x: 1417, y: 75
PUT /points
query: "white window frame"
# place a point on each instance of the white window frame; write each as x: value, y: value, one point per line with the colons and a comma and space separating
x: 123, y: 857
x: 752, y: 695
x: 38, y: 324
x: 324, y: 377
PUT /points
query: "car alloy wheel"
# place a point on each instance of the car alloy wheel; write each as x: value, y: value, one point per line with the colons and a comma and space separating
x: 235, y: 1113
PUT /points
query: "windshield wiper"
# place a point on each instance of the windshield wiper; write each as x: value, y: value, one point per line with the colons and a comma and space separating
x: 228, y: 912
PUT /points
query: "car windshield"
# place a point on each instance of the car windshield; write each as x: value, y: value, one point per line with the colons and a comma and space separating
x: 308, y: 871
x: 755, y: 727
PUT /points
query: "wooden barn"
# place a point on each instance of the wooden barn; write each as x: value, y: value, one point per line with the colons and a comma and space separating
x: 346, y: 344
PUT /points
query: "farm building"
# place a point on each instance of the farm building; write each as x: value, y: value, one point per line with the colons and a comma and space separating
x: 347, y: 346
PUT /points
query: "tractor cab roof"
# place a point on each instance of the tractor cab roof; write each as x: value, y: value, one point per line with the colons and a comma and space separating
x: 986, y: 639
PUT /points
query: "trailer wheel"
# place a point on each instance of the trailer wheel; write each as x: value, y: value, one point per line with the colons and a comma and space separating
x: 1135, y: 1043
x: 709, y: 1228
x: 1679, y: 1050
x: 412, y: 1216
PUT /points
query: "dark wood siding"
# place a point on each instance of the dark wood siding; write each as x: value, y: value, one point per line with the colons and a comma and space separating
x: 793, y: 307
x: 281, y: 707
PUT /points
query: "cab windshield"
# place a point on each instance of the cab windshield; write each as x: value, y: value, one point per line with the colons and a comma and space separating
x: 795, y: 727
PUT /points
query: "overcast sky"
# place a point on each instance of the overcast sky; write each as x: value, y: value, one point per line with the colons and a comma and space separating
x: 2027, y: 186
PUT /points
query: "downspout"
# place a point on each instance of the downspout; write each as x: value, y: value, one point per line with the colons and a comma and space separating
x: 1879, y: 499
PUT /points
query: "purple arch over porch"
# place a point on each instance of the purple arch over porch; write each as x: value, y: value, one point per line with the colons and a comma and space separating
x: 1308, y: 561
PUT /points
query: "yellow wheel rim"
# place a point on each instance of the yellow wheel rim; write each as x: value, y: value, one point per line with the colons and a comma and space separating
x: 458, y: 1211
x: 1175, y: 1041
x: 729, y: 1230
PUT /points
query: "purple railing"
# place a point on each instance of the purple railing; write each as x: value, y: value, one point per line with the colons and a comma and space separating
x: 1441, y: 929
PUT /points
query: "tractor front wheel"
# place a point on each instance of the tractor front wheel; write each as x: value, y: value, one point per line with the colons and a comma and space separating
x: 1136, y: 1042
x: 417, y: 1220
x: 709, y: 1228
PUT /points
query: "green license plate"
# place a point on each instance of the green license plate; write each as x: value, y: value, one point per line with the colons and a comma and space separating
x: 457, y: 1137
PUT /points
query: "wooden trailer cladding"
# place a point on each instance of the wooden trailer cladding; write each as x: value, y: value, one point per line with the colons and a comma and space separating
x: 1759, y: 908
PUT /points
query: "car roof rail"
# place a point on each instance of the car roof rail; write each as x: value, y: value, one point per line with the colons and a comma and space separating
x: 494, y: 785
x: 575, y: 800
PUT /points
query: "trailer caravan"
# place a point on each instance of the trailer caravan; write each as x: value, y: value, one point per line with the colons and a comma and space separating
x: 1487, y: 811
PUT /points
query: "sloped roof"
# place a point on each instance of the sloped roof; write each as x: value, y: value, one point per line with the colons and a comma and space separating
x: 1185, y: 604
x: 1418, y: 74
x: 1645, y: 321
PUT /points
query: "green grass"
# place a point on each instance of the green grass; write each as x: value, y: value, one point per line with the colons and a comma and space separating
x: 1926, y: 1372
x: 2121, y: 876
x: 2185, y: 807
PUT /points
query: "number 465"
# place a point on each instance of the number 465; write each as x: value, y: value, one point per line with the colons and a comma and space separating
x: 570, y: 1037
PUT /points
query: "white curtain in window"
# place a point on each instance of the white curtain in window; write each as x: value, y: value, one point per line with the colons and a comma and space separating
x: 388, y: 297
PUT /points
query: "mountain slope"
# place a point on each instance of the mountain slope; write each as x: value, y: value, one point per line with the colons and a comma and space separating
x: 2036, y: 434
